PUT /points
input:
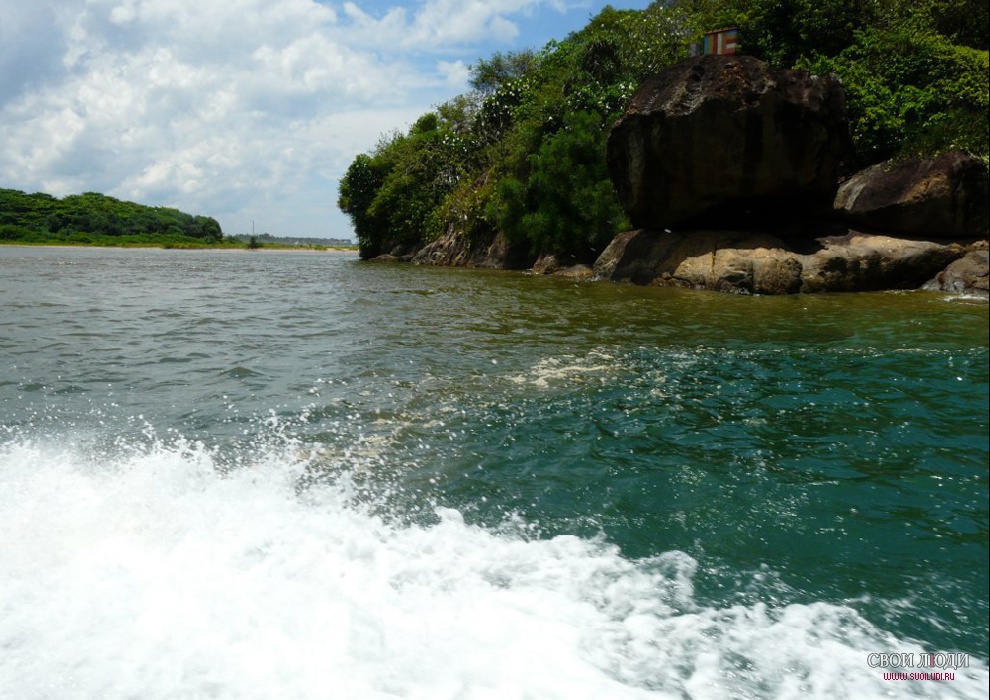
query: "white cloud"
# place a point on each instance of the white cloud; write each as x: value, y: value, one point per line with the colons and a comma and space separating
x: 456, y: 74
x: 239, y: 109
x: 441, y: 24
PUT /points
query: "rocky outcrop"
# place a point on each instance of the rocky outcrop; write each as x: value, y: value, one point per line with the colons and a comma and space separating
x: 755, y: 263
x: 742, y: 162
x: 552, y: 265
x: 968, y: 274
x: 456, y: 250
x: 717, y: 139
x: 946, y: 197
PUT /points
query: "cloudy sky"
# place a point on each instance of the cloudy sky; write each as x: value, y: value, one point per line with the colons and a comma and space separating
x: 244, y: 110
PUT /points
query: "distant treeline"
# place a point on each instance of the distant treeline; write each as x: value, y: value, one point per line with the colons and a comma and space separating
x: 523, y: 153
x: 96, y: 219
x: 269, y: 239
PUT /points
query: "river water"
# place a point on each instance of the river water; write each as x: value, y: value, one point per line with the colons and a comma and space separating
x: 295, y: 475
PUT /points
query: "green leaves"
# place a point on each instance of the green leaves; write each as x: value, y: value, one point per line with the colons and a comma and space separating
x: 523, y: 154
x: 910, y: 91
x: 95, y: 218
x: 488, y: 75
x: 395, y: 196
x: 566, y: 205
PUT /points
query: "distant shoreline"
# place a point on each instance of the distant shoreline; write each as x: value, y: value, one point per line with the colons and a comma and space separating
x: 242, y: 249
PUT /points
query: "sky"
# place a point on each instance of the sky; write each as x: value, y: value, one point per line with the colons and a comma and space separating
x: 249, y: 111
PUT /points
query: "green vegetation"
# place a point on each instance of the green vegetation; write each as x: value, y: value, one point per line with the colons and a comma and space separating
x: 523, y: 154
x: 95, y: 219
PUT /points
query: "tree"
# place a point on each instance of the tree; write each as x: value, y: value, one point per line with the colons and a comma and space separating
x: 522, y: 154
x: 357, y: 192
x: 566, y: 205
x: 94, y: 217
x: 487, y: 75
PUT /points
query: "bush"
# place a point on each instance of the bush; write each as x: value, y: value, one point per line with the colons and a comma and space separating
x: 911, y: 92
x: 566, y: 205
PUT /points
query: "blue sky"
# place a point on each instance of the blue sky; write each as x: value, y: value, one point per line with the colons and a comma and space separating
x: 244, y: 110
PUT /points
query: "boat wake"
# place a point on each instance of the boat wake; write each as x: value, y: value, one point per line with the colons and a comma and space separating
x: 160, y: 573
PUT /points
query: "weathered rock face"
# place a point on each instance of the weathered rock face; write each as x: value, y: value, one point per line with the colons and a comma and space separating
x: 716, y: 138
x: 551, y: 265
x: 455, y: 250
x: 945, y: 197
x: 753, y: 263
x: 969, y: 274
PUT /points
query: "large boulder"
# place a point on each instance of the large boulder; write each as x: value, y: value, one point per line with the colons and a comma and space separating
x: 725, y: 261
x: 758, y: 263
x: 946, y: 197
x: 969, y: 274
x: 719, y: 139
x: 860, y: 261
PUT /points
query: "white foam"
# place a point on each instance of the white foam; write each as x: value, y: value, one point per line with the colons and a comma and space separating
x: 149, y: 575
x: 567, y: 369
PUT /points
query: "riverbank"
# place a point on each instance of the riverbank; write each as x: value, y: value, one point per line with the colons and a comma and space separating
x: 150, y: 246
x: 775, y: 206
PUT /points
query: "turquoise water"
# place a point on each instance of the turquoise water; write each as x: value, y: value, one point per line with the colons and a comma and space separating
x: 236, y: 475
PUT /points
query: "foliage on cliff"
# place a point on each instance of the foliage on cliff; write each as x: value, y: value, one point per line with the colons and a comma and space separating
x: 96, y: 219
x: 522, y: 154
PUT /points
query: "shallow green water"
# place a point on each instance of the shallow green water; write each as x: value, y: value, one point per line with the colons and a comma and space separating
x: 814, y: 468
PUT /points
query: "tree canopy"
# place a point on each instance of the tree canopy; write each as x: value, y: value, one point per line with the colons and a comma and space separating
x: 93, y: 218
x: 523, y: 153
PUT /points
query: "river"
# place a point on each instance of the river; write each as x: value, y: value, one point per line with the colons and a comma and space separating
x: 232, y: 474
